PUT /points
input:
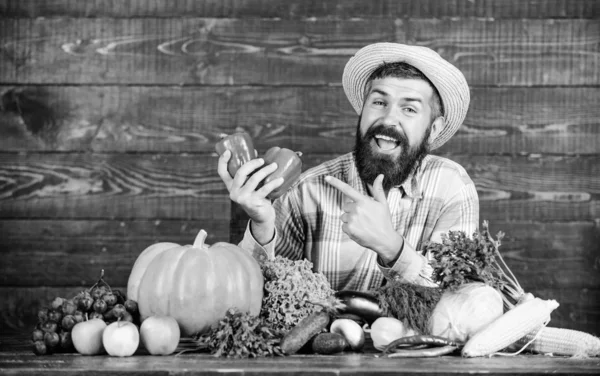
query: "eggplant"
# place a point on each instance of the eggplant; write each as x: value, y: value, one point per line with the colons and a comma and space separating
x: 359, y: 303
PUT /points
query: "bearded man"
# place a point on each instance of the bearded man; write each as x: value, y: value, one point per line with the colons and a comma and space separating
x: 361, y: 218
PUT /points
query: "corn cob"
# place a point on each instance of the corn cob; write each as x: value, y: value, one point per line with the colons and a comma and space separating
x: 558, y: 341
x: 510, y: 327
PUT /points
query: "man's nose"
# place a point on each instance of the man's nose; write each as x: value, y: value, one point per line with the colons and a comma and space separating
x: 391, y: 117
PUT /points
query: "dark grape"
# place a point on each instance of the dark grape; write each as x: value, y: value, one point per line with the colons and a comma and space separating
x: 55, y: 315
x: 120, y: 296
x: 78, y: 316
x: 119, y: 310
x: 68, y: 322
x: 131, y: 306
x: 66, y: 343
x: 69, y: 307
x: 96, y: 315
x: 39, y: 348
x: 57, y: 303
x: 85, y: 303
x: 127, y: 317
x: 98, y: 291
x: 49, y: 326
x: 110, y: 298
x: 43, y: 314
x: 38, y: 335
x: 76, y: 300
x: 100, y: 306
x: 51, y: 339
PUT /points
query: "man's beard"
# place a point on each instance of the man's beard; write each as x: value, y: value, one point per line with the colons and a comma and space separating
x: 394, y: 169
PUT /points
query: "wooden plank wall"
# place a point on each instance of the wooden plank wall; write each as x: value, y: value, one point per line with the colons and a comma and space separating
x: 109, y: 111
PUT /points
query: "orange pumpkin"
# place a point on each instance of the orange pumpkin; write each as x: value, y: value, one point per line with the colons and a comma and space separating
x: 196, y: 284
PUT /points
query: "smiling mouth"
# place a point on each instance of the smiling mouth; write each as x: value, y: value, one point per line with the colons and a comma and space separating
x: 386, y: 143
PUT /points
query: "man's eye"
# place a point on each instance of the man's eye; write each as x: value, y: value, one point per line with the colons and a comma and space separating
x: 379, y: 103
x: 410, y: 109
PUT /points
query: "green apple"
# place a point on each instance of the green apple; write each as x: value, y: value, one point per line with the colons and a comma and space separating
x: 121, y: 338
x: 87, y: 336
x: 160, y: 334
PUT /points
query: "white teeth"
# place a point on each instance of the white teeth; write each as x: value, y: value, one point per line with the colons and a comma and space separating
x: 385, y: 137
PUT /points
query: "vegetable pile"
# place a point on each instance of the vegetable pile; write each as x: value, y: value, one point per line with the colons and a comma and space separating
x: 238, y: 335
x: 183, y: 281
x: 413, y: 303
x: 461, y: 259
x: 55, y: 328
x: 290, y: 287
x: 462, y: 263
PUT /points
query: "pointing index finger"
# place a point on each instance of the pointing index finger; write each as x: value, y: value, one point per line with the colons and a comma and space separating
x: 344, y: 188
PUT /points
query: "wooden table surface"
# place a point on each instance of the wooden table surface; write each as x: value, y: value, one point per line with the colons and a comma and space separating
x: 21, y: 363
x: 16, y: 358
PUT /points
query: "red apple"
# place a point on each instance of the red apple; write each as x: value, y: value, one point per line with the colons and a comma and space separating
x: 121, y: 338
x: 160, y: 334
x: 87, y: 336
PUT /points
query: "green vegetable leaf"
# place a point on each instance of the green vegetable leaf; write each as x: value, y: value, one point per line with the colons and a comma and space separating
x: 461, y: 259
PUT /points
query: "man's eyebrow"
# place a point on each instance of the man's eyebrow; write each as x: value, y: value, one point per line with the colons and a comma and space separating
x: 379, y: 91
x: 409, y: 99
x: 385, y: 94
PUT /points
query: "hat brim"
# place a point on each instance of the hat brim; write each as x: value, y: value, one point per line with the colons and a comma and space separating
x: 448, y: 80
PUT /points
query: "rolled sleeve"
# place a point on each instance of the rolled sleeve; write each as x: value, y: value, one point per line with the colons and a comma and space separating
x: 411, y: 267
x: 258, y: 251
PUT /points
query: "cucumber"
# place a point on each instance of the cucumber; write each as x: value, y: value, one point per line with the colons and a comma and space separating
x: 329, y: 343
x: 310, y: 326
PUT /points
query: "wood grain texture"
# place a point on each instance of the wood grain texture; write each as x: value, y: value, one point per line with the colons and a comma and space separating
x: 182, y: 51
x: 300, y: 9
x: 170, y: 186
x: 551, y: 256
x: 344, y: 364
x: 555, y: 255
x: 310, y: 119
x: 109, y: 111
x: 71, y: 252
x: 514, y: 52
x: 111, y: 186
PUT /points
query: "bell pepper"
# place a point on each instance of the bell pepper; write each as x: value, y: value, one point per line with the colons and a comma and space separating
x: 242, y: 150
x: 289, y: 166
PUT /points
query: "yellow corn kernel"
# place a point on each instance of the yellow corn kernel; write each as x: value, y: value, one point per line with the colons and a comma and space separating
x: 510, y: 327
x: 559, y: 341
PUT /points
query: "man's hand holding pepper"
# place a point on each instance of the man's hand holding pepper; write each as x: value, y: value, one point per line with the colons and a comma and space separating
x: 243, y: 191
x: 367, y: 220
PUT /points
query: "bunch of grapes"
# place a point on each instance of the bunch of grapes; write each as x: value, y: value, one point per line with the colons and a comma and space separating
x: 52, y: 333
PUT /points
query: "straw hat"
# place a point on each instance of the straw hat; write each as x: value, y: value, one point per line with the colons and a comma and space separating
x: 449, y: 81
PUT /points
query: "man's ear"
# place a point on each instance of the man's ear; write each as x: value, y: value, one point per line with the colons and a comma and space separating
x: 436, y: 128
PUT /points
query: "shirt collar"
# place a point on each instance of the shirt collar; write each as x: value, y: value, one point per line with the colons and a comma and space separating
x: 411, y: 186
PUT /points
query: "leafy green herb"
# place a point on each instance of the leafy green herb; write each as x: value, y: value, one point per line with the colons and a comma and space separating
x: 410, y: 302
x: 238, y: 335
x: 462, y: 259
x: 290, y: 287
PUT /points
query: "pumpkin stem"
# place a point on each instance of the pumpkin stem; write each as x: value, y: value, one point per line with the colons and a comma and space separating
x: 200, y: 238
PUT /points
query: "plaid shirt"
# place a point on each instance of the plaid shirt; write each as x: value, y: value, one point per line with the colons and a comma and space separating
x: 439, y: 197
